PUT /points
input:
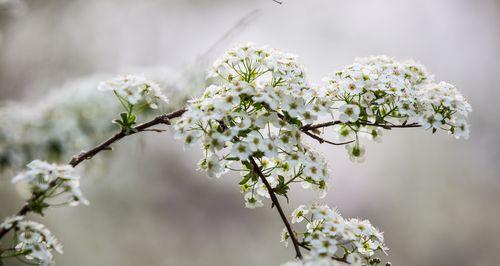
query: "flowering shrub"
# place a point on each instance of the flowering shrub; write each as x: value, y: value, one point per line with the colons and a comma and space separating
x: 254, y: 119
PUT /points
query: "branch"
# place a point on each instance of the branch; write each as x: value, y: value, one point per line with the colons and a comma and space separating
x: 276, y: 203
x: 322, y: 140
x: 363, y: 123
x: 162, y: 119
x: 87, y: 155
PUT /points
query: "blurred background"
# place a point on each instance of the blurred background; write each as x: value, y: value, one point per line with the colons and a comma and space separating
x: 437, y: 199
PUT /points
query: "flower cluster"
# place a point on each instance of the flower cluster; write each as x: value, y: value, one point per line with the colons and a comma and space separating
x: 256, y: 111
x: 135, y: 90
x: 443, y: 107
x: 135, y: 94
x: 378, y: 92
x: 333, y: 239
x: 51, y: 181
x: 33, y: 240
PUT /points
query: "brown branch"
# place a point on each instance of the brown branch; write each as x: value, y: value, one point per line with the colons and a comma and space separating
x: 86, y: 155
x: 322, y: 140
x: 162, y: 119
x: 276, y: 203
x: 321, y: 125
x: 362, y: 123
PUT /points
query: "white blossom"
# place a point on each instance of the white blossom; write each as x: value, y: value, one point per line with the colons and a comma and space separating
x: 348, y: 113
x: 381, y: 90
x: 328, y: 235
x: 41, y: 175
x: 258, y: 105
x: 356, y: 152
x: 298, y: 214
x: 38, y: 241
x: 253, y: 201
x: 135, y: 89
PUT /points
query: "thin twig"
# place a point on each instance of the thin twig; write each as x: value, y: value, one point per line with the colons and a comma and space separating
x: 322, y: 140
x: 276, y: 203
x: 336, y: 122
x: 321, y: 125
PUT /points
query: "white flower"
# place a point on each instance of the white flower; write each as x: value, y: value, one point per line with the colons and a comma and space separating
x: 215, y: 141
x: 284, y: 237
x: 226, y: 102
x: 432, y: 120
x: 356, y: 152
x: 212, y: 166
x: 252, y: 201
x: 349, y: 113
x: 294, y: 106
x: 269, y: 149
x: 366, y: 248
x: 351, y: 86
x: 267, y: 98
x: 298, y: 214
x: 241, y: 150
x: 375, y: 133
x: 73, y: 193
x: 255, y: 141
x: 461, y: 129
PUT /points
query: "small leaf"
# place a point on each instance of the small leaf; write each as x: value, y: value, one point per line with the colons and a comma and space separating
x: 247, y: 164
x: 124, y: 116
x: 245, y: 179
x: 281, y: 179
x: 132, y: 119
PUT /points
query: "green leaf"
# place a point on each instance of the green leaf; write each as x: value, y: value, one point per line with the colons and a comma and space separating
x: 245, y: 179
x: 117, y: 122
x: 132, y: 119
x: 37, y: 206
x: 281, y: 179
x: 124, y: 116
x: 247, y: 164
